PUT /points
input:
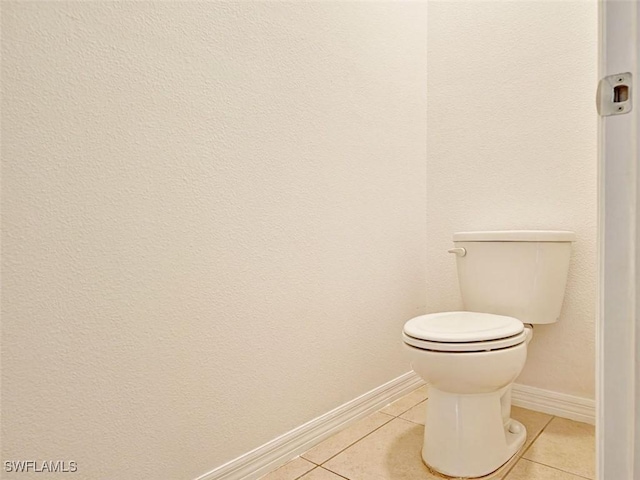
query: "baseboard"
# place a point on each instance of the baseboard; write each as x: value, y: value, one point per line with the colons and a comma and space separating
x: 554, y: 403
x: 278, y: 451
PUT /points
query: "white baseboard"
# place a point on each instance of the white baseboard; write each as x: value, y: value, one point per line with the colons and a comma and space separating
x: 278, y: 451
x: 554, y: 403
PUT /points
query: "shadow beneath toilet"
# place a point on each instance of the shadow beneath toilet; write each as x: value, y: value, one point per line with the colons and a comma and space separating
x: 403, y: 458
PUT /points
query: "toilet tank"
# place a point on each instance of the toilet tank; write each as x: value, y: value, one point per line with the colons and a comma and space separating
x: 518, y: 273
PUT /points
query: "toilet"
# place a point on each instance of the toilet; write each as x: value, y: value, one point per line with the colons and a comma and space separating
x: 509, y: 281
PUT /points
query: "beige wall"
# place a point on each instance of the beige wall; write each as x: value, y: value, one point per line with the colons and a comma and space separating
x: 213, y: 223
x: 512, y: 145
x: 214, y: 213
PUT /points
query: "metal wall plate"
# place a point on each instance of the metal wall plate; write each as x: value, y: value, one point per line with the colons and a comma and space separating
x: 614, y: 96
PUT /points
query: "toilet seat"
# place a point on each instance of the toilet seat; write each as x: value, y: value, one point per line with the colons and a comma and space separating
x: 463, y: 332
x: 467, y: 346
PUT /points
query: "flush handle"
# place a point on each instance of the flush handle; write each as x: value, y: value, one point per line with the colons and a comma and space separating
x: 461, y: 252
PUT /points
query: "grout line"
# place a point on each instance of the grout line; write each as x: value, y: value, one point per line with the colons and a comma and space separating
x: 318, y: 467
x: 293, y: 459
x: 536, y: 437
x: 391, y: 418
x: 308, y: 471
x: 560, y: 470
x: 417, y: 423
x: 411, y: 421
x: 553, y: 417
x: 401, y: 398
x: 525, y: 450
x: 518, y: 457
x: 506, y: 474
x: 372, y: 431
x: 335, y: 473
x: 547, y: 465
x: 311, y: 461
x: 413, y: 406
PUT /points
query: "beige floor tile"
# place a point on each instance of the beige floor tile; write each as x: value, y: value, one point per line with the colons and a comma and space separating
x: 405, y: 403
x: 533, y: 421
x: 499, y: 474
x: 338, y: 442
x: 390, y: 453
x: 566, y: 445
x: 416, y: 414
x: 321, y: 474
x: 290, y: 471
x: 526, y: 470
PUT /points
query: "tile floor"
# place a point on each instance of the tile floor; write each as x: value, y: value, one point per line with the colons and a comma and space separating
x: 386, y: 446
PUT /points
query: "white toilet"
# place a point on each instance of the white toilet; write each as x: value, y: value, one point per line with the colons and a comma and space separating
x: 509, y: 280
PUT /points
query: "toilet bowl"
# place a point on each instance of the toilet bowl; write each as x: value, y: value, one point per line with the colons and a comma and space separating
x: 469, y: 361
x: 509, y: 280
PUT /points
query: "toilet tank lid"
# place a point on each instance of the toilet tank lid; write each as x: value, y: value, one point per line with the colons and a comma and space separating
x: 516, y: 236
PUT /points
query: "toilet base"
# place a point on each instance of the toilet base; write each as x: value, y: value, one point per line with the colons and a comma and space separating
x: 465, y: 435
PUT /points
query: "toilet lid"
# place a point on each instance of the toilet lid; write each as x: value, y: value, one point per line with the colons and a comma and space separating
x: 466, y: 347
x: 461, y: 327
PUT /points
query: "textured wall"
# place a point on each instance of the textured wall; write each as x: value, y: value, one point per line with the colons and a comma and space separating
x: 213, y: 223
x: 512, y: 145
